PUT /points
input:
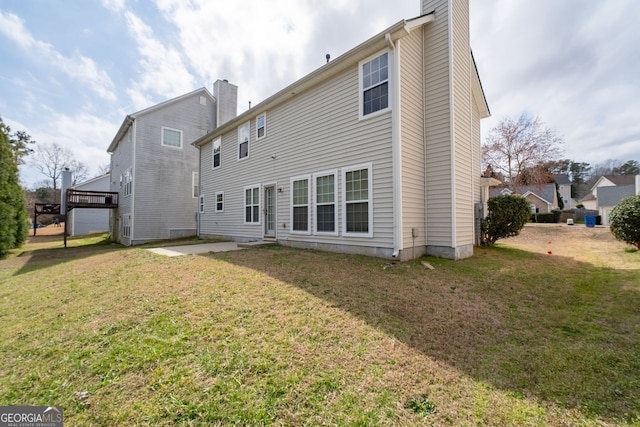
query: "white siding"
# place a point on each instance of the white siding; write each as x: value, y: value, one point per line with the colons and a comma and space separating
x: 317, y: 130
x: 164, y: 203
x: 462, y: 127
x: 412, y: 139
x: 86, y: 221
x: 121, y: 160
x: 438, y: 136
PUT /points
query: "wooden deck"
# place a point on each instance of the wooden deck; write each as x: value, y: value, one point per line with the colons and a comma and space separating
x: 91, y: 199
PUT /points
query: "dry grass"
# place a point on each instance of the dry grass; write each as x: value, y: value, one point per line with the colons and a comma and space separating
x: 291, y: 337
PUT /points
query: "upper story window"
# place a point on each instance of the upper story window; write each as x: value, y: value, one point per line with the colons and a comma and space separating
x: 243, y: 141
x: 171, y: 137
x: 374, y: 84
x: 217, y: 150
x: 261, y: 126
x: 127, y: 182
x: 195, y: 184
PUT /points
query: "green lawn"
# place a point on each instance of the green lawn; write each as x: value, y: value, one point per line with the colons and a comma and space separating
x: 292, y: 337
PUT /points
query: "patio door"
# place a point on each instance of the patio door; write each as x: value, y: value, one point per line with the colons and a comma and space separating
x: 270, y: 211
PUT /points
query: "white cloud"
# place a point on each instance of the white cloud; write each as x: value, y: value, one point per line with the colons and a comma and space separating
x: 79, y: 67
x: 161, y: 69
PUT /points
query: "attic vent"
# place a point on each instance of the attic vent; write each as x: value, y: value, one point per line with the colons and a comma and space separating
x: 203, y: 100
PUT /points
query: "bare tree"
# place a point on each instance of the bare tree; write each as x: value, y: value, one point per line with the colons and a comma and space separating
x: 516, y: 146
x: 104, y: 169
x: 51, y: 159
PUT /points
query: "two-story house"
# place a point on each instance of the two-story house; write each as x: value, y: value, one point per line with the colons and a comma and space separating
x: 376, y: 152
x: 154, y: 168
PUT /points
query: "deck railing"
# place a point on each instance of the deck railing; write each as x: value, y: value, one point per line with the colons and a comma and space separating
x: 91, y: 199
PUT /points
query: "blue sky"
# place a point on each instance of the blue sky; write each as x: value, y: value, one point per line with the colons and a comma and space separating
x: 71, y: 70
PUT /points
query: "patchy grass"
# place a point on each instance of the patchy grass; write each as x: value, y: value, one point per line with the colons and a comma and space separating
x: 282, y: 336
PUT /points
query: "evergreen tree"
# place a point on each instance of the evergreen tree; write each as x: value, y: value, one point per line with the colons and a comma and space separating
x: 14, y: 227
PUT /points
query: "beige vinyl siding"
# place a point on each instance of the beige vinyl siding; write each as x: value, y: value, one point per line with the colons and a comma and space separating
x: 412, y: 139
x: 438, y: 136
x: 316, y: 131
x: 462, y: 128
x: 477, y: 151
x: 165, y: 207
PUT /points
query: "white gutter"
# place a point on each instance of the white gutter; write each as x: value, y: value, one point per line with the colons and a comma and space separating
x: 396, y: 149
x: 452, y: 129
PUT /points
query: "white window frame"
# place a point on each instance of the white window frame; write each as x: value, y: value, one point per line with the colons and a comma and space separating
x: 201, y: 204
x: 308, y: 205
x: 264, y: 126
x: 362, y: 88
x: 369, y: 200
x: 219, y: 193
x: 247, y: 140
x: 316, y: 204
x: 128, y: 183
x: 259, y: 204
x: 172, y: 130
x: 195, y: 184
x: 217, y: 142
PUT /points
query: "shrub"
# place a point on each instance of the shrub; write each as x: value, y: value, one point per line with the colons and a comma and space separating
x: 625, y: 221
x: 545, y: 218
x: 507, y: 216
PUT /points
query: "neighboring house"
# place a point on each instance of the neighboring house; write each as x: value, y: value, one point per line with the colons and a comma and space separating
x: 155, y: 169
x: 87, y: 221
x: 609, y: 196
x: 564, y: 189
x: 376, y: 152
x: 542, y: 198
x: 590, y: 201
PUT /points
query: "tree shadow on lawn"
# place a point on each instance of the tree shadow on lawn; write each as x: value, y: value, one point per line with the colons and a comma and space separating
x: 542, y: 327
x: 39, y: 258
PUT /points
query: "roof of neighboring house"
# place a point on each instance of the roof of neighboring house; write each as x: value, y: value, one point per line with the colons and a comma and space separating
x: 89, y: 181
x: 562, y: 178
x: 611, y: 196
x: 335, y: 66
x: 545, y: 191
x: 128, y: 120
x: 615, y: 179
x: 588, y: 197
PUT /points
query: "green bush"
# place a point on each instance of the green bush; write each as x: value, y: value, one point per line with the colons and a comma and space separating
x: 507, y: 216
x: 545, y: 218
x: 625, y: 221
x: 13, y: 215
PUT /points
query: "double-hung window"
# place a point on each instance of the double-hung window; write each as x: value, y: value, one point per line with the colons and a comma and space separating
x: 217, y: 150
x: 201, y: 204
x: 171, y: 137
x: 300, y: 202
x: 243, y: 141
x: 357, y: 209
x: 195, y: 184
x: 374, y: 84
x: 128, y: 182
x: 261, y: 126
x: 220, y: 202
x: 252, y: 205
x: 326, y: 190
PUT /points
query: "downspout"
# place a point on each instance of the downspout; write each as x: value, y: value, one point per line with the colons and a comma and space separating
x: 396, y: 151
